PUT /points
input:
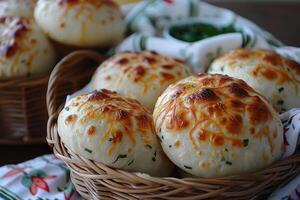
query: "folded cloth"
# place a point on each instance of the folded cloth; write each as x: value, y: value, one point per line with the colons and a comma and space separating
x: 45, y: 177
x: 149, y: 22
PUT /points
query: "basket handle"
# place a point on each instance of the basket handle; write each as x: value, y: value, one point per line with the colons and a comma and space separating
x: 67, y: 63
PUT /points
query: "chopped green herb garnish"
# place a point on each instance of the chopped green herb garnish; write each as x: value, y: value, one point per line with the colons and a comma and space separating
x: 130, y: 163
x: 223, y: 159
x: 281, y: 89
x: 110, y: 139
x: 153, y: 159
x: 67, y: 108
x: 170, y: 146
x: 246, y: 142
x: 120, y: 156
x: 187, y: 167
x: 148, y: 146
x: 193, y: 86
x: 162, y: 137
x: 228, y: 163
x: 280, y: 102
x: 88, y: 150
x: 222, y: 68
x: 226, y: 149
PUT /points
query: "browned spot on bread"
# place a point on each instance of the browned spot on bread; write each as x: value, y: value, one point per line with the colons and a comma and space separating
x: 234, y: 124
x: 258, y: 111
x: 293, y: 65
x: 167, y: 66
x: 269, y: 74
x: 107, y: 78
x: 100, y: 94
x: 177, y: 122
x: 123, y: 61
x: 202, y: 135
x: 117, y: 136
x: 273, y: 58
x: 144, y: 121
x: 167, y: 76
x: 70, y: 119
x: 237, y: 90
x: 177, y: 144
x: 122, y: 114
x: 139, y: 73
x: 149, y: 60
x: 62, y: 25
x: 205, y: 94
x: 217, y: 140
x: 91, y: 130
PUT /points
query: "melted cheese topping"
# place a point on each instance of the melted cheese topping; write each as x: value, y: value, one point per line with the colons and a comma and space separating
x: 270, y: 65
x: 136, y: 74
x: 220, y: 103
x: 125, y: 117
x: 215, y: 125
x: 274, y: 76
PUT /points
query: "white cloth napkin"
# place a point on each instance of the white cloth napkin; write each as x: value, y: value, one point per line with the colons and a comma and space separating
x: 149, y: 22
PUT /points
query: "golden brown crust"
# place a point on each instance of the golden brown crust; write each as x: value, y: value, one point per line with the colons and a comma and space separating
x: 272, y: 66
x: 111, y: 107
x: 216, y: 101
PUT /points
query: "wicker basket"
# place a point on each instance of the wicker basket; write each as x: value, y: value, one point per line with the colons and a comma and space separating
x: 97, y: 181
x: 23, y: 114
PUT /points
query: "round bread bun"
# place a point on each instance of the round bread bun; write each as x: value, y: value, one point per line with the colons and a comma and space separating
x: 214, y: 126
x: 139, y: 75
x: 274, y: 76
x: 97, y: 23
x: 23, y: 8
x: 24, y: 49
x: 116, y: 131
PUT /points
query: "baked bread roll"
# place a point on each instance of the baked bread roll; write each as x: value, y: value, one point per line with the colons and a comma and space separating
x: 139, y: 75
x: 214, y: 126
x: 119, y: 132
x: 82, y: 23
x: 23, y: 8
x: 274, y: 76
x: 24, y: 49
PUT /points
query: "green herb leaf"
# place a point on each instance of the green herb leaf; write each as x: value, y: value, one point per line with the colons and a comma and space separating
x: 228, y: 163
x: 67, y: 108
x: 148, y: 146
x: 246, y: 142
x: 130, y: 163
x: 110, y: 139
x: 226, y: 149
x: 223, y: 159
x: 280, y: 102
x: 120, y: 156
x: 88, y: 150
x: 280, y: 89
x: 170, y: 146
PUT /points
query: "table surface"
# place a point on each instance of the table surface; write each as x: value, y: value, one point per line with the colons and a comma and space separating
x: 280, y: 18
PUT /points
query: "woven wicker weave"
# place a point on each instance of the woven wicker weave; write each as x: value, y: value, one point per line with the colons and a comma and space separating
x: 23, y: 114
x: 97, y: 181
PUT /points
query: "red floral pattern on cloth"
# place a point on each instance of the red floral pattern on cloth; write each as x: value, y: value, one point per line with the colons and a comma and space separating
x: 45, y: 177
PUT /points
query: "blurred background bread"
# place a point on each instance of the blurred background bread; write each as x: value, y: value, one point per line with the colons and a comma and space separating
x: 82, y: 23
x: 277, y: 78
x: 214, y: 125
x: 22, y: 8
x: 117, y: 131
x: 24, y: 49
x: 139, y: 75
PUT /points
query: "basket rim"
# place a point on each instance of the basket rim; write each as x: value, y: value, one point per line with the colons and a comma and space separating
x: 90, y: 176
